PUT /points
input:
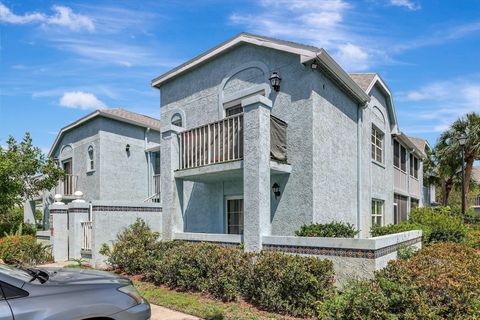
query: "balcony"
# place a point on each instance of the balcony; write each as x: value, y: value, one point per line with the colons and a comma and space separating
x: 67, y: 186
x: 400, y: 180
x: 217, y: 142
x: 414, y: 185
x: 215, y: 151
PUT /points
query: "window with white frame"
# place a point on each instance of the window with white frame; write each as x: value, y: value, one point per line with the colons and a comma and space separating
x: 377, y: 145
x: 90, y: 158
x: 177, y: 120
x: 414, y: 166
x: 399, y: 156
x: 377, y: 212
x: 234, y: 215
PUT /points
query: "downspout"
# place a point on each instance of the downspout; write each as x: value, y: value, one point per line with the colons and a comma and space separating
x: 359, y: 165
x: 147, y: 130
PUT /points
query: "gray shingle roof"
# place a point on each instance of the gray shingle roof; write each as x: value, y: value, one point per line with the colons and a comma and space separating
x: 133, y: 116
x: 420, y: 143
x: 363, y: 79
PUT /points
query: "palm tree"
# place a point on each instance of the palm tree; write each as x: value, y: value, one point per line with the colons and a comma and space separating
x: 449, y: 149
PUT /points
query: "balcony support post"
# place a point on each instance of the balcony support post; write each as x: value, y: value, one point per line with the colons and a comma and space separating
x: 172, y: 189
x: 256, y: 170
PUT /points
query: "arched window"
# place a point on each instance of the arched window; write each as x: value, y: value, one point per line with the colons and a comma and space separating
x: 91, y: 161
x: 176, y: 120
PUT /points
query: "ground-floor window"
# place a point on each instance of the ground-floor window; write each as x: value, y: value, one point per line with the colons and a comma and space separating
x: 234, y: 215
x: 400, y: 204
x: 414, y: 203
x: 377, y: 212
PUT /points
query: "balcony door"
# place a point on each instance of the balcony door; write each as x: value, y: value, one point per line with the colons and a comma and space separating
x: 234, y: 215
x: 68, y: 180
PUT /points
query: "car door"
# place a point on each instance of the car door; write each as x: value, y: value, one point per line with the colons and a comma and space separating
x: 5, y: 311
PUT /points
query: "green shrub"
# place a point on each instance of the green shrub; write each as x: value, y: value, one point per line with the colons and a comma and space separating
x: 377, y: 231
x: 12, y: 221
x: 24, y: 250
x: 288, y: 283
x: 134, y: 249
x: 473, y: 236
x: 214, y: 269
x: 440, y: 282
x: 443, y: 227
x: 328, y: 230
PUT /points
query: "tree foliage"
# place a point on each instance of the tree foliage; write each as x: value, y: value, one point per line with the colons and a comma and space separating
x: 24, y: 172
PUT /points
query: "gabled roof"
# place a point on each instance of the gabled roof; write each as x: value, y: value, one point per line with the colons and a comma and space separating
x: 367, y: 81
x: 420, y: 143
x: 306, y: 53
x: 408, y: 142
x: 115, y: 114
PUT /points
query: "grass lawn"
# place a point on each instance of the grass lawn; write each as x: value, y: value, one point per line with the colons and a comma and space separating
x: 200, y: 306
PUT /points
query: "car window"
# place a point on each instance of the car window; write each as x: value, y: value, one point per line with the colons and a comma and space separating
x: 11, y: 292
x: 15, y: 273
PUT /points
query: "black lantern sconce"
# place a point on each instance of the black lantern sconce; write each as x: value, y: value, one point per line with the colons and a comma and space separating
x: 276, y: 190
x: 275, y: 81
x: 127, y: 148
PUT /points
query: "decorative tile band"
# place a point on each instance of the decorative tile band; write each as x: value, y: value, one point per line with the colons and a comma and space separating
x: 58, y: 211
x: 341, y: 252
x: 126, y: 209
x: 78, y: 210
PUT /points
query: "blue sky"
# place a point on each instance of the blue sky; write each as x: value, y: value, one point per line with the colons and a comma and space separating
x: 59, y: 60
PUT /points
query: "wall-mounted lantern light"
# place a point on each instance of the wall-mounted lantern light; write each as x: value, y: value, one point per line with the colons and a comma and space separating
x: 276, y: 190
x: 56, y: 161
x: 275, y: 81
x: 127, y: 148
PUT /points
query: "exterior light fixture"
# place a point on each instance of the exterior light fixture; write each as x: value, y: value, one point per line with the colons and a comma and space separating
x: 127, y: 148
x: 314, y: 65
x: 275, y: 81
x: 462, y: 140
x: 276, y: 190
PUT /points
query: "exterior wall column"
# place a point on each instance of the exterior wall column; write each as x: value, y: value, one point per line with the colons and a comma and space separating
x: 256, y: 170
x: 77, y: 213
x: 59, y: 231
x: 171, y: 190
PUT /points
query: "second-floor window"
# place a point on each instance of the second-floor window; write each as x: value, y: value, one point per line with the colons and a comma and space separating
x: 399, y: 156
x: 91, y: 161
x: 377, y: 145
x: 414, y: 166
x: 177, y: 120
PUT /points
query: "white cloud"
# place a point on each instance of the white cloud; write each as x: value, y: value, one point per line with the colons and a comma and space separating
x: 62, y: 16
x: 81, y: 100
x: 320, y: 23
x: 436, y: 105
x: 408, y: 4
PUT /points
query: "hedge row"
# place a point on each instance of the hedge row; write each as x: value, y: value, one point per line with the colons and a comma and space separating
x: 438, y: 225
x: 23, y: 250
x: 272, y: 281
x: 439, y: 282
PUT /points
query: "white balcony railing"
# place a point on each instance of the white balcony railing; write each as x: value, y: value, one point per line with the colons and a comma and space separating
x: 414, y: 185
x: 68, y: 185
x: 87, y: 236
x: 216, y: 142
x: 476, y: 202
x: 400, y: 179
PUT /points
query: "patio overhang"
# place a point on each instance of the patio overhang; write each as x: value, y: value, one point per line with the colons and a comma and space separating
x: 231, y: 170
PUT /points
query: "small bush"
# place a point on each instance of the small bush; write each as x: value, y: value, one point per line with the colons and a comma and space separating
x: 288, y: 283
x: 24, y: 250
x: 134, y: 249
x: 328, y: 230
x: 12, y: 223
x: 440, y: 282
x: 473, y: 236
x: 444, y: 228
x: 217, y: 270
x: 377, y: 231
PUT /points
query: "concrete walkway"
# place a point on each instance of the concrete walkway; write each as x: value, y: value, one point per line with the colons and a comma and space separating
x: 158, y: 312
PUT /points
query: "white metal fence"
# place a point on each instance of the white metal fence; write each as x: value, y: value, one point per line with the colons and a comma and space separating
x: 215, y: 142
x: 87, y: 236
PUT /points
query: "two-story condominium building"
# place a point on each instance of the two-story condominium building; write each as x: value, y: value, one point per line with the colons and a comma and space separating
x: 260, y: 136
x: 110, y: 155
